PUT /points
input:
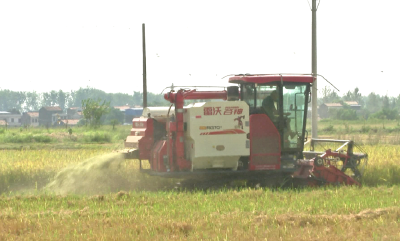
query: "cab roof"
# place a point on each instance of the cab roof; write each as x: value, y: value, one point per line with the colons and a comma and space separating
x: 267, y: 78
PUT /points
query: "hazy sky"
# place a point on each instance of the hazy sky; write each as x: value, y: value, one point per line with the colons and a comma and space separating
x: 52, y: 45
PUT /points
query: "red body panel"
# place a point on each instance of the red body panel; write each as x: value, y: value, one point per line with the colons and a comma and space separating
x: 143, y: 127
x: 265, y: 147
x: 139, y: 126
x: 156, y: 159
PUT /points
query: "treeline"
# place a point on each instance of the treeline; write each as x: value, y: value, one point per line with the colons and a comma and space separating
x: 372, y: 105
x: 33, y: 101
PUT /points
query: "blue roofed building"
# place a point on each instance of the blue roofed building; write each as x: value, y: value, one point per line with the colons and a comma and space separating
x: 132, y: 113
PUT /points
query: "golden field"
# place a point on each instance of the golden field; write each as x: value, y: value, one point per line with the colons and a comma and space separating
x: 91, y: 193
x: 140, y: 207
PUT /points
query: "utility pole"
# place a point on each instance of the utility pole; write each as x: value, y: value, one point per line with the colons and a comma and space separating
x: 144, y: 68
x: 314, y: 98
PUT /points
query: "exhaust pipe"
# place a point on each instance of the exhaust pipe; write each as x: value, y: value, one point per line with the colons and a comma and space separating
x: 144, y: 68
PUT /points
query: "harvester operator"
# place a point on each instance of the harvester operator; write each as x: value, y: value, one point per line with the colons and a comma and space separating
x: 268, y: 105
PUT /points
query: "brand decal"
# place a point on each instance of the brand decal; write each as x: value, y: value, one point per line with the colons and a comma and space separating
x: 210, y: 127
x: 229, y: 110
x: 224, y: 132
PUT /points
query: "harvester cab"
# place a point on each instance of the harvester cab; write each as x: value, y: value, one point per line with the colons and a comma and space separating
x: 284, y: 101
x: 258, y: 131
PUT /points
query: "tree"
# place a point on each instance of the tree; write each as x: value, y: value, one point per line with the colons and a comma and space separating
x: 114, y: 122
x: 356, y: 95
x: 61, y: 99
x: 326, y: 91
x: 87, y: 93
x: 390, y: 114
x: 113, y: 114
x: 50, y: 98
x: 118, y: 99
x: 393, y: 102
x: 374, y: 102
x: 32, y: 101
x: 329, y: 95
x: 385, y: 102
x: 353, y: 96
x: 345, y: 113
x: 137, y: 98
x: 156, y: 100
x: 347, y: 96
x: 93, y: 110
x: 11, y: 99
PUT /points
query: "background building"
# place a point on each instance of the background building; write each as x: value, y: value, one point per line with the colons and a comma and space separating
x: 46, y: 114
x: 30, y: 118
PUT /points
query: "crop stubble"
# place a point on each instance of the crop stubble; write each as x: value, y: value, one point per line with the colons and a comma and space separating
x: 330, y: 214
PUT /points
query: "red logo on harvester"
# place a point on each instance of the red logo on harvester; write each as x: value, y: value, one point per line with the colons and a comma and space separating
x: 212, y: 111
x: 233, y: 110
x: 240, y: 122
x: 229, y: 110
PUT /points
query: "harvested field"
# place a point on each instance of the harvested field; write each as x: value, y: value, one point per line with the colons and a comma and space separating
x: 330, y: 214
x: 93, y: 194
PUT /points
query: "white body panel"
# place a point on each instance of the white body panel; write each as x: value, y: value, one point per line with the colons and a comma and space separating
x: 157, y: 111
x: 216, y: 134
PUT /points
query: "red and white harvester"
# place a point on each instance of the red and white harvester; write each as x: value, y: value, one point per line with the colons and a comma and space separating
x: 238, y: 134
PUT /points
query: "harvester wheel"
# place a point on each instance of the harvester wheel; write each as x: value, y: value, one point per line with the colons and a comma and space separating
x: 357, y: 166
x: 318, y: 161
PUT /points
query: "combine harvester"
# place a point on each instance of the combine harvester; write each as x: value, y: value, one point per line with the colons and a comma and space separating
x: 254, y: 130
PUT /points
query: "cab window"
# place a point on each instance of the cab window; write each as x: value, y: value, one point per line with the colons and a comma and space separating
x: 267, y: 100
x: 294, y: 97
x: 248, y: 95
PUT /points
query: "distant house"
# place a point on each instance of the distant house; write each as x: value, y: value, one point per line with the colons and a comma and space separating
x: 74, y: 113
x: 46, y: 114
x: 69, y: 122
x: 11, y: 119
x: 30, y: 118
x: 353, y: 105
x: 122, y: 108
x: 57, y: 118
x: 129, y: 112
x: 324, y: 108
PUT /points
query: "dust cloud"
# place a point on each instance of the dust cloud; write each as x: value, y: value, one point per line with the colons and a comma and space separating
x: 112, y: 173
x: 97, y: 175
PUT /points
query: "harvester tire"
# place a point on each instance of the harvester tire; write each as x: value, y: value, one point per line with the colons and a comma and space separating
x: 318, y: 161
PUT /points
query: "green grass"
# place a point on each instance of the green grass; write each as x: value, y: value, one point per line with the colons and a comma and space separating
x: 80, y: 135
x: 327, y: 126
x: 370, y: 132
